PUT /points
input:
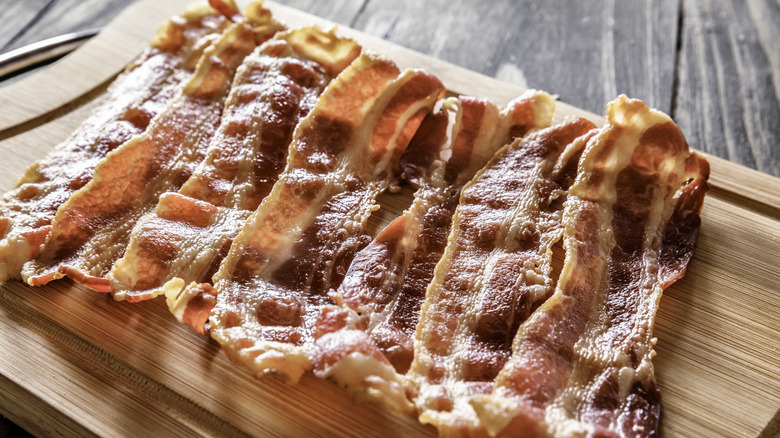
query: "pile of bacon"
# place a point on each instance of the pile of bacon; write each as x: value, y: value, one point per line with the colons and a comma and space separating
x: 234, y: 166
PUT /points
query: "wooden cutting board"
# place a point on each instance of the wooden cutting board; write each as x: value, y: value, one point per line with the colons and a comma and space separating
x: 76, y: 363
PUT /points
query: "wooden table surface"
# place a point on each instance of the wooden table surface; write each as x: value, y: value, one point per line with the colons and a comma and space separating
x: 713, y: 65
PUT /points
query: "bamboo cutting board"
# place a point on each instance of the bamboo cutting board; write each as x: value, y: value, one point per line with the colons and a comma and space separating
x: 76, y: 363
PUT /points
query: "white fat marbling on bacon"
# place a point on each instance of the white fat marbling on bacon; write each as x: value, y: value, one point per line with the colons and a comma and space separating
x: 91, y: 230
x: 581, y: 363
x: 133, y: 100
x: 380, y: 298
x: 189, y: 233
x: 297, y: 245
x: 489, y: 278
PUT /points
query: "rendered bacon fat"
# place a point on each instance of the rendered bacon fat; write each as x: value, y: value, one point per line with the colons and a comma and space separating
x: 494, y: 272
x: 383, y: 290
x: 140, y: 93
x: 189, y: 234
x: 581, y: 365
x: 298, y: 244
x: 91, y: 230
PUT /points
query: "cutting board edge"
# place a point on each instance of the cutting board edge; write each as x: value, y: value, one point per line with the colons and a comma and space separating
x: 752, y: 175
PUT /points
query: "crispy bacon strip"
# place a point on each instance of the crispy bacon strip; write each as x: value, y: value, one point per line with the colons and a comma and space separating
x: 91, y: 230
x: 380, y: 297
x: 494, y: 272
x: 140, y: 93
x: 582, y: 363
x: 298, y: 244
x: 188, y: 235
x: 228, y: 8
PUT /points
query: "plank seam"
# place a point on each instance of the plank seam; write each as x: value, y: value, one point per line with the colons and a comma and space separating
x: 360, y: 12
x: 677, y: 52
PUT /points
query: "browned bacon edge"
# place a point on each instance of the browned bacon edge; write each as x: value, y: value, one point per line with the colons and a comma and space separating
x: 92, y: 228
x: 496, y: 269
x: 189, y: 233
x: 141, y: 92
x: 380, y: 297
x: 228, y: 8
x: 581, y: 364
x: 297, y: 245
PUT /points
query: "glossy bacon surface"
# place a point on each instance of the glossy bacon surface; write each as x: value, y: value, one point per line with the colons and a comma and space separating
x: 581, y: 365
x: 494, y: 272
x: 298, y: 244
x: 189, y: 233
x: 380, y: 298
x: 90, y: 231
x: 137, y: 96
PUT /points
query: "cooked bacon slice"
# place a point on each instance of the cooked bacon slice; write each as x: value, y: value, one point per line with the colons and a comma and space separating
x: 188, y: 235
x: 298, y: 244
x: 581, y: 365
x: 383, y: 290
x: 91, y: 230
x: 494, y: 272
x: 141, y: 92
x: 228, y: 8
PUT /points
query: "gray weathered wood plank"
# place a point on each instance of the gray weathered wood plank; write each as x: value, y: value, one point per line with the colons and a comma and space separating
x: 586, y: 52
x: 644, y: 44
x: 339, y: 11
x: 729, y: 80
x: 15, y: 16
x: 64, y: 16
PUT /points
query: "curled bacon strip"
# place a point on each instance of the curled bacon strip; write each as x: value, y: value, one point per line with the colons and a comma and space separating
x: 138, y: 95
x: 494, y: 272
x: 91, y: 230
x: 581, y: 365
x: 298, y: 244
x: 383, y: 290
x: 255, y: 14
x: 228, y: 8
x: 189, y: 234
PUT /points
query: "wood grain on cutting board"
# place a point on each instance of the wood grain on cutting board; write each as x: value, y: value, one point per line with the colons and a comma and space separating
x: 75, y: 362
